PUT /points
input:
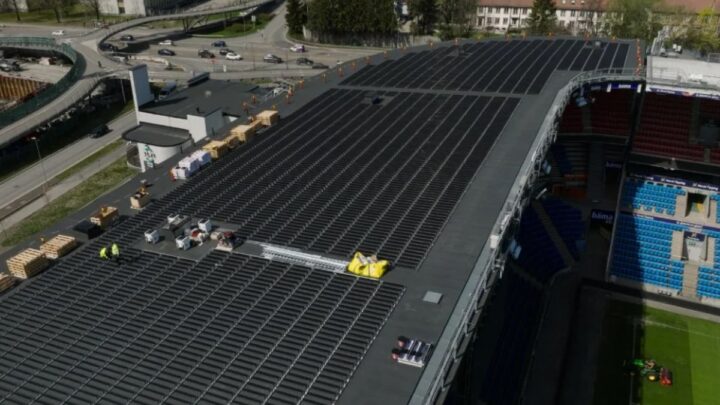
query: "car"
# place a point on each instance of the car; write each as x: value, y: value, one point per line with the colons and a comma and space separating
x: 219, y: 44
x: 127, y: 38
x: 205, y: 54
x: 167, y: 42
x: 58, y: 33
x: 224, y: 51
x: 233, y: 56
x: 298, y: 48
x: 304, y: 61
x: 99, y: 131
x: 166, y: 52
x: 104, y: 46
x: 318, y: 65
x: 270, y: 58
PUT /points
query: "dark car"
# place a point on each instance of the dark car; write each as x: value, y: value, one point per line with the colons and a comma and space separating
x: 127, y: 38
x: 166, y: 52
x: 219, y: 44
x: 304, y: 61
x: 319, y: 66
x: 104, y: 46
x: 99, y: 131
x: 224, y: 51
x: 205, y: 54
x: 270, y: 58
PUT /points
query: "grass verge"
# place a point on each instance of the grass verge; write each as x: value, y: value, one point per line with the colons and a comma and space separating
x: 86, y: 192
x: 689, y: 347
x: 76, y: 168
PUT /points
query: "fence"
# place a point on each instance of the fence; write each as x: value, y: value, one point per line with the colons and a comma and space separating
x: 44, y: 97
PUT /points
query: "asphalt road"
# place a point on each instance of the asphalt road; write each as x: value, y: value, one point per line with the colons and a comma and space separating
x: 15, y: 188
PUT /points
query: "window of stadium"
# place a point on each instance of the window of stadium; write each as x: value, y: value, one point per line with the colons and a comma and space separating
x: 696, y: 204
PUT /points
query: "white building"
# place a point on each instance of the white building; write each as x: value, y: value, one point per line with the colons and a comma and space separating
x: 576, y: 16
x: 139, y: 7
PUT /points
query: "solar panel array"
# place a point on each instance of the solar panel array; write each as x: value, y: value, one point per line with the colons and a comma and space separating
x: 344, y: 174
x: 230, y: 328
x: 518, y: 66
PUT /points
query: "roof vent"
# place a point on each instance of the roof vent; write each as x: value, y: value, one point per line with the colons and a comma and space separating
x: 432, y: 297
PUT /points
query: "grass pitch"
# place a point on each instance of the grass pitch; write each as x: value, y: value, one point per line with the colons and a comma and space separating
x: 690, y: 347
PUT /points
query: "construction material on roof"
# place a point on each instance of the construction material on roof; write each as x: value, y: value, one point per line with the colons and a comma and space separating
x: 89, y: 229
x: 244, y: 133
x: 202, y: 156
x: 232, y: 141
x: 226, y: 241
x: 268, y: 117
x: 295, y: 256
x: 367, y: 266
x: 140, y: 199
x: 105, y: 217
x: 411, y: 352
x: 58, y: 246
x: 6, y: 281
x: 27, y: 263
x: 216, y: 149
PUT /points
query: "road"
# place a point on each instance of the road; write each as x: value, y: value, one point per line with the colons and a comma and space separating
x: 16, y: 187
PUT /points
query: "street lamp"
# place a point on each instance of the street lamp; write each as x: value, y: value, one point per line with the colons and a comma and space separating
x: 42, y: 165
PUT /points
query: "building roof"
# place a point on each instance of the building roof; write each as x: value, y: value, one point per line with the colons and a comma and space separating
x: 411, y: 157
x: 692, y: 5
x: 202, y: 98
x: 156, y: 135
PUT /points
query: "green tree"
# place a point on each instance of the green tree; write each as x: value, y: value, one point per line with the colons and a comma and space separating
x: 635, y: 18
x: 456, y: 18
x: 296, y: 16
x: 703, y: 33
x: 542, y: 19
x: 426, y: 12
x: 352, y: 17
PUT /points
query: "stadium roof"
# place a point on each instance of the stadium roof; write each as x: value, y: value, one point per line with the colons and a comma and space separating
x: 411, y: 157
x: 157, y: 135
x: 202, y: 98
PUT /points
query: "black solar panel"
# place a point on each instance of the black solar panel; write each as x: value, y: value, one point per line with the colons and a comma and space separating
x: 230, y: 328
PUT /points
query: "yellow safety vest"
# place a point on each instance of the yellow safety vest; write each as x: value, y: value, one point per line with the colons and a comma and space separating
x: 103, y: 253
x: 115, y: 250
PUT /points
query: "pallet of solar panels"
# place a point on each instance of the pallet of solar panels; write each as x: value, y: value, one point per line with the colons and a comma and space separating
x: 216, y: 149
x: 27, y: 263
x: 245, y: 132
x: 6, y: 281
x: 58, y: 246
x: 268, y: 118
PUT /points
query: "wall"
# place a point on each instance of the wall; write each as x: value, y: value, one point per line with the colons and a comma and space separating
x: 140, y: 82
x: 500, y: 19
x: 109, y: 7
x: 16, y: 88
x: 164, y: 120
x: 201, y: 127
x: 157, y: 154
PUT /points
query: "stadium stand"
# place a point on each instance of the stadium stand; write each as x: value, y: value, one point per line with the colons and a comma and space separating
x: 539, y: 256
x: 649, y: 196
x: 572, y: 120
x: 665, y: 125
x: 611, y: 112
x: 568, y: 222
x: 709, y: 280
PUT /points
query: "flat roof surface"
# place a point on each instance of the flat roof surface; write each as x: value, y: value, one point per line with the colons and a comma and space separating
x: 207, y: 96
x: 416, y: 169
x: 157, y: 135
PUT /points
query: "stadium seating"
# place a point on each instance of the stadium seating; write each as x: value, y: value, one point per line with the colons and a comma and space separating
x: 611, y: 113
x: 568, y: 222
x: 539, y: 256
x: 716, y: 197
x: 503, y: 379
x: 650, y: 197
x: 665, y: 128
x: 642, y: 251
x: 559, y: 154
x: 709, y: 282
x: 571, y: 121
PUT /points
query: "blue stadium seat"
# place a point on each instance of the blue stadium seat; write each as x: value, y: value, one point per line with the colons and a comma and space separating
x: 568, y: 222
x: 649, y: 196
x: 539, y: 256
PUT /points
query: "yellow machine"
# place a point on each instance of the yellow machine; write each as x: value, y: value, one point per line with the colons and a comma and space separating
x: 367, y: 266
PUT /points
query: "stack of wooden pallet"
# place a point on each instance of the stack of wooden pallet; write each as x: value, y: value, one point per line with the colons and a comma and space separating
x: 58, y: 246
x: 140, y: 199
x: 244, y: 133
x: 27, y: 263
x: 6, y: 281
x: 216, y: 149
x: 105, y: 217
x: 268, y: 117
x: 232, y: 141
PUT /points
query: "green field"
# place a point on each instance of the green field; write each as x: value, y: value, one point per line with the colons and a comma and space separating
x: 690, y: 347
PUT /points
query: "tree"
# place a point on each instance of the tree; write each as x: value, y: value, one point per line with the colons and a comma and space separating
x: 591, y: 8
x: 426, y: 12
x: 635, y: 18
x: 296, y: 16
x: 357, y: 18
x: 543, y: 19
x: 702, y: 33
x: 59, y: 7
x: 94, y: 6
x: 14, y: 6
x: 456, y: 18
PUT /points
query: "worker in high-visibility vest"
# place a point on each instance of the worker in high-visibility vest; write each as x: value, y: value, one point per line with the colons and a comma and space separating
x: 115, y: 250
x: 104, y: 253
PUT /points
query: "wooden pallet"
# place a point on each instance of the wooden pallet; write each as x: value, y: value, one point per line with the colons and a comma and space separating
x: 244, y: 133
x: 58, y: 246
x: 268, y: 117
x: 27, y: 263
x: 139, y: 200
x: 216, y: 149
x: 105, y: 217
x: 6, y: 281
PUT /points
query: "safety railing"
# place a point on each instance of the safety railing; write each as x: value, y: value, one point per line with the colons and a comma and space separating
x: 50, y: 93
x: 449, y: 347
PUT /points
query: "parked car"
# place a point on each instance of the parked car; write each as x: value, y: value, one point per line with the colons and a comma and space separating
x: 167, y: 42
x: 318, y: 65
x: 166, y: 52
x: 58, y: 33
x: 104, y: 46
x: 304, y: 61
x: 219, y: 44
x: 99, y: 131
x: 205, y: 54
x: 127, y: 38
x: 224, y: 51
x: 233, y: 56
x: 298, y: 48
x: 270, y: 58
